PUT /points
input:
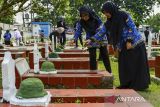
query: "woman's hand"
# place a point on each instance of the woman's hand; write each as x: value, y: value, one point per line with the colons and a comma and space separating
x: 129, y: 45
x: 87, y: 42
x: 71, y: 42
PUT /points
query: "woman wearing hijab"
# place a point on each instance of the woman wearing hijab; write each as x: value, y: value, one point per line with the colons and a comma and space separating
x: 133, y: 63
x: 90, y: 22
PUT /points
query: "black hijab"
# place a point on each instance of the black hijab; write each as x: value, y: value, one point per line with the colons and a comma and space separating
x: 116, y: 23
x: 92, y: 24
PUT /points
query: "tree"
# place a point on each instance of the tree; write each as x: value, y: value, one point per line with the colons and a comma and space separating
x: 139, y: 9
x: 154, y: 22
x: 8, y: 8
x: 49, y: 10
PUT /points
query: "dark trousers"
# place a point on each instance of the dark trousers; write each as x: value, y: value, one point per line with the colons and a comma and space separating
x: 147, y: 40
x: 55, y: 45
x: 7, y: 42
x: 63, y: 38
x: 0, y: 35
x: 133, y: 67
x: 80, y: 39
x: 104, y: 55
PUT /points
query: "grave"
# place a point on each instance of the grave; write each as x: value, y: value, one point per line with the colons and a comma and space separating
x: 94, y: 98
x: 72, y: 49
x: 151, y: 62
x: 10, y: 93
x: 157, y: 66
x: 68, y: 53
x: 15, y: 55
x: 66, y: 78
x: 25, y: 49
x: 72, y: 54
x: 68, y: 63
x: 64, y: 63
x: 81, y: 97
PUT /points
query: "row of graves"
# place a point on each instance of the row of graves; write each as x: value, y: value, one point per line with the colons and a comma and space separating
x: 153, y: 53
x: 44, y: 76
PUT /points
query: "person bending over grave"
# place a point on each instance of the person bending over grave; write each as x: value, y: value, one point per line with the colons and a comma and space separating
x: 41, y: 34
x: 132, y: 60
x: 56, y: 34
x: 61, y: 23
x: 90, y: 22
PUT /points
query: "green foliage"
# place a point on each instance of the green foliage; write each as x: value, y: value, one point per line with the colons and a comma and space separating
x: 78, y: 101
x: 7, y: 20
x: 53, y: 55
x: 47, y: 66
x: 31, y: 88
x: 154, y: 22
x: 7, y: 9
x: 58, y: 50
x: 140, y: 9
x: 154, y: 54
x: 51, y: 10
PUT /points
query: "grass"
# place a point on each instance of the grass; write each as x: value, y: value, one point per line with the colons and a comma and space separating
x: 152, y: 94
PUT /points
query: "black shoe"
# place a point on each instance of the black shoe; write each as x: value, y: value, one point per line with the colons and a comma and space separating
x: 121, y: 87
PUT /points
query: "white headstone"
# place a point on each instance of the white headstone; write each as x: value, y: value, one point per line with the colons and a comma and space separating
x: 149, y: 44
x: 17, y: 42
x: 8, y: 76
x: 34, y: 39
x: 53, y: 44
x: 46, y: 49
x: 36, y: 58
x: 22, y: 66
x: 157, y: 38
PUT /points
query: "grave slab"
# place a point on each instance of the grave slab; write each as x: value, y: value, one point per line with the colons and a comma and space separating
x: 68, y: 63
x: 151, y: 62
x: 66, y: 78
x: 26, y: 49
x: 72, y: 54
x: 157, y: 67
x: 72, y: 49
x: 64, y: 63
x: 93, y: 98
x: 15, y: 55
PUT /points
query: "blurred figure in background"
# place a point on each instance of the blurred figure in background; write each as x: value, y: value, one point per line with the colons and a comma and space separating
x: 0, y: 32
x: 146, y: 33
x: 21, y: 32
x: 56, y: 35
x: 61, y: 23
x: 17, y: 36
x: 7, y: 36
x: 41, y: 34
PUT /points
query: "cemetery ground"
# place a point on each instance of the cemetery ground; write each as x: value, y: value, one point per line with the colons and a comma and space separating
x: 152, y: 94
